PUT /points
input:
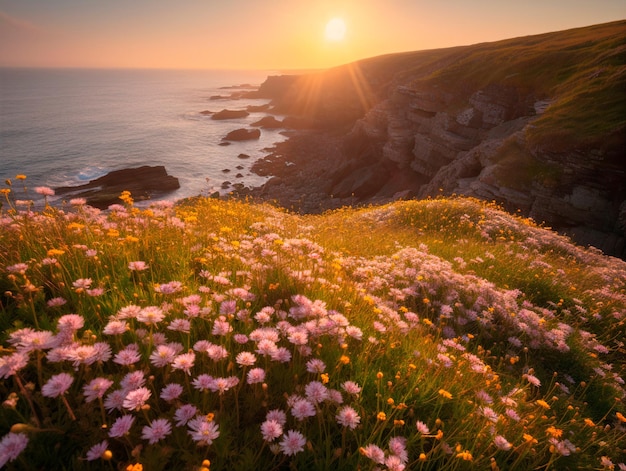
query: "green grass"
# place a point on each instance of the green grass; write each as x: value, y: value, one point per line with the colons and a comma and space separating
x: 501, y: 337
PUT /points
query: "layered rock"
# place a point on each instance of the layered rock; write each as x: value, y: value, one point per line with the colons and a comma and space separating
x: 436, y: 122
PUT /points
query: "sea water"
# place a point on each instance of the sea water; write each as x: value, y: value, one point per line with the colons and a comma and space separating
x: 63, y: 127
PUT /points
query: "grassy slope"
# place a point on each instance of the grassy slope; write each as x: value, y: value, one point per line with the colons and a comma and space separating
x: 409, y: 274
x: 583, y: 72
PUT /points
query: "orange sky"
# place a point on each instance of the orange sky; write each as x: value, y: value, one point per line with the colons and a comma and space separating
x: 266, y: 34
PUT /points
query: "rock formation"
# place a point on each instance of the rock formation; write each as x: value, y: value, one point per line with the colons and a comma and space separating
x: 537, y: 124
x: 243, y: 134
x: 143, y: 183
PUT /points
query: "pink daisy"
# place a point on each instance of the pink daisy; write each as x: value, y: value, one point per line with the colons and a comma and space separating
x: 96, y: 388
x: 156, y: 431
x: 270, y: 429
x: 293, y: 442
x: 348, y: 417
x: 96, y: 451
x: 57, y: 385
x: 121, y: 426
x: 171, y: 392
x: 136, y: 398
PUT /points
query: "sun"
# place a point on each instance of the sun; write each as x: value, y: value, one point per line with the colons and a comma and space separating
x: 335, y: 29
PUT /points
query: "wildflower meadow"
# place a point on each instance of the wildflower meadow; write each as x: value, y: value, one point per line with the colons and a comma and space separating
x: 213, y: 334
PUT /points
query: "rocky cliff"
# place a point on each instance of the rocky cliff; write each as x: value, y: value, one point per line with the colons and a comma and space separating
x: 537, y: 124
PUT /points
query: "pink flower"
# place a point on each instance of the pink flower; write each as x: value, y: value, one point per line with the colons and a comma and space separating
x: 56, y: 302
x: 315, y: 365
x: 11, y: 445
x: 70, y: 322
x: 96, y: 388
x: 133, y: 380
x: 150, y: 315
x: 138, y: 266
x: 44, y: 190
x: 502, y: 443
x: 82, y: 283
x: 169, y: 288
x: 422, y: 428
x: 184, y: 362
x: 270, y: 429
x: 121, y: 426
x: 115, y: 328
x: 204, y: 382
x: 57, y: 385
x: 351, y: 387
x: 115, y: 400
x: 180, y: 325
x: 397, y: 446
x: 394, y: 463
x: 78, y: 201
x: 245, y: 359
x: 203, y: 430
x: 96, y: 451
x: 221, y: 385
x: 163, y: 355
x: 348, y: 417
x: 256, y: 375
x: 277, y: 415
x: 136, y: 398
x: 129, y: 356
x: 293, y: 442
x: 171, y: 392
x: 374, y: 453
x: 156, y: 431
x: 184, y: 414
x: 316, y: 392
x: 301, y: 409
x: 532, y: 380
x: 281, y: 354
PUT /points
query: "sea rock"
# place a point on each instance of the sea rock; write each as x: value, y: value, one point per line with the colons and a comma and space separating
x: 143, y: 183
x: 268, y: 122
x: 243, y: 134
x: 230, y: 114
x: 243, y: 156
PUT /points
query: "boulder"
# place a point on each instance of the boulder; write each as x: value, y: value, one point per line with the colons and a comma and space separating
x: 268, y: 122
x: 243, y: 134
x: 142, y: 182
x: 230, y: 114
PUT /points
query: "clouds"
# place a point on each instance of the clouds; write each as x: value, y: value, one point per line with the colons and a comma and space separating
x: 15, y: 24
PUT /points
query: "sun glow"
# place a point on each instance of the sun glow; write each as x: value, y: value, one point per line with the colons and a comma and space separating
x: 335, y: 29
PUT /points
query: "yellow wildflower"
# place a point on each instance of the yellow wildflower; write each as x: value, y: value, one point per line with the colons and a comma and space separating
x: 620, y: 417
x: 553, y: 431
x: 325, y: 378
x: 381, y: 416
x: 444, y: 393
x: 529, y: 438
x: 344, y: 359
x: 542, y: 403
x: 465, y: 455
x: 20, y: 177
x: 589, y: 422
x: 55, y: 252
x: 422, y: 457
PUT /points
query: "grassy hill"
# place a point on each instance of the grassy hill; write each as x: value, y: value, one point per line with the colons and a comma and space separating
x: 435, y: 334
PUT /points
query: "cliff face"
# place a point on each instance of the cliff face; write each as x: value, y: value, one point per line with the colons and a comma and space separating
x: 537, y: 124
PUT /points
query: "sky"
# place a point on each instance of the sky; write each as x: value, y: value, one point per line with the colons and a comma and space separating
x: 267, y: 34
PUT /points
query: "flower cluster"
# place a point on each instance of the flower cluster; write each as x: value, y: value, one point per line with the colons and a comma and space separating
x: 173, y: 334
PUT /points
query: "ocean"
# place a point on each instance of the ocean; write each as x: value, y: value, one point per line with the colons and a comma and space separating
x: 63, y: 127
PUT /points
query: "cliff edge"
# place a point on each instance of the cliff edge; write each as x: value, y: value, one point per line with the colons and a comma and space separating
x: 536, y: 123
